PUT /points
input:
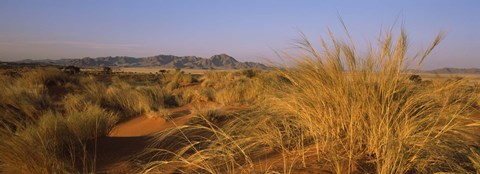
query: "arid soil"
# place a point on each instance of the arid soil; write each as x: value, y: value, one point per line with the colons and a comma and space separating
x: 114, y: 152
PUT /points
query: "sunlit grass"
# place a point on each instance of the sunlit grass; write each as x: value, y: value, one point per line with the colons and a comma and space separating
x: 352, y: 113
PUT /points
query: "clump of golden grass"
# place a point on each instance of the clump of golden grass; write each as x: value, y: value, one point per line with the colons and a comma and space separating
x: 159, y: 97
x: 43, y: 76
x: 244, y: 91
x: 41, y: 137
x: 19, y: 103
x: 205, y: 94
x: 54, y: 142
x: 46, y: 146
x: 128, y: 100
x: 90, y: 121
x: 234, y: 87
x: 179, y: 79
x: 125, y: 98
x: 26, y: 96
x: 352, y: 113
x: 212, y: 79
x: 364, y: 111
x: 205, y: 115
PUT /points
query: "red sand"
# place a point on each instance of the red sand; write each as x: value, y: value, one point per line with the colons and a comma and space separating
x: 148, y: 125
x: 139, y: 126
x: 114, y: 152
x: 145, y: 126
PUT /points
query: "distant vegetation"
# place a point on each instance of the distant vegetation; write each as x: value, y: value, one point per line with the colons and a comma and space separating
x: 330, y: 112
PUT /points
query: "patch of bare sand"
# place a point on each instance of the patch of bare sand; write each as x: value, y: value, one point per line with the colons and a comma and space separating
x: 117, y: 152
x: 150, y: 124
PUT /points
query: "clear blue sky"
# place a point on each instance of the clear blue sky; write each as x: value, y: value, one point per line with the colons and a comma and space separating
x: 247, y: 30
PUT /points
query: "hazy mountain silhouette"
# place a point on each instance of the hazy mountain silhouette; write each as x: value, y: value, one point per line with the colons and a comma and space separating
x: 455, y: 71
x: 221, y: 61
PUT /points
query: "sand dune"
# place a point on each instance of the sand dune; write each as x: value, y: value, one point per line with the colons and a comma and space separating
x: 150, y: 124
x: 139, y: 126
x: 115, y: 152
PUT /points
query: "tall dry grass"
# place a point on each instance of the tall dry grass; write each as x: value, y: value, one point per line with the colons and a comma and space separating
x: 352, y: 112
x: 44, y: 131
x: 26, y: 97
x: 46, y: 146
x: 364, y: 112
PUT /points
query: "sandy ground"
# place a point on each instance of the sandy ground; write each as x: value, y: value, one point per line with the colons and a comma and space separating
x: 140, y: 126
x: 150, y: 124
x: 114, y: 152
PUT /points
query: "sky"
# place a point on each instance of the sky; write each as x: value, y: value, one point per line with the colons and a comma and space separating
x: 247, y: 30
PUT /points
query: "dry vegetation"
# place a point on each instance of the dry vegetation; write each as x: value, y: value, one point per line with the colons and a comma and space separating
x: 333, y: 111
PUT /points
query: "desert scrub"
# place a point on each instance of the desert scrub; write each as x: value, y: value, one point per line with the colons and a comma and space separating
x: 23, y: 104
x: 216, y: 80
x: 188, y: 96
x: 43, y: 76
x: 191, y: 95
x: 46, y: 146
x: 205, y: 94
x: 210, y: 115
x: 178, y: 80
x: 126, y: 102
x: 93, y: 89
x: 89, y: 121
x: 156, y: 94
x: 22, y: 101
x: 185, y: 79
x: 242, y: 91
x: 172, y: 85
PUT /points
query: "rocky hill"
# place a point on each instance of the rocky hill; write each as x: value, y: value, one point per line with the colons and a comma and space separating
x: 221, y: 61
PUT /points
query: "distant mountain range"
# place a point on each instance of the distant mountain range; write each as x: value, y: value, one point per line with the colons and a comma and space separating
x: 455, y: 71
x: 221, y: 61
